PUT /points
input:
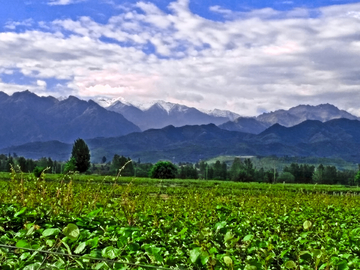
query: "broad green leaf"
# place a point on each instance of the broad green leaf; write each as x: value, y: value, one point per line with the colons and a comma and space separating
x: 283, y: 253
x: 95, y: 253
x: 213, y: 250
x: 248, y: 237
x: 34, y: 266
x: 20, y: 212
x: 250, y: 267
x: 50, y: 232
x: 71, y: 231
x: 204, y: 258
x: 307, y: 225
x: 343, y: 266
x: 110, y: 252
x: 184, y: 230
x: 101, y: 265
x: 122, y: 241
x: 93, y: 243
x: 30, y: 231
x: 133, y: 247
x: 290, y: 265
x: 228, y: 236
x: 220, y: 225
x: 95, y: 213
x: 355, y: 234
x: 194, y: 254
x: 80, y: 248
x: 50, y: 242
x: 25, y: 255
x: 67, y: 247
x: 23, y: 244
x: 228, y: 261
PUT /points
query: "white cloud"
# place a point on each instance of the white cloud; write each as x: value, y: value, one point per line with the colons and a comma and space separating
x: 41, y: 83
x: 254, y: 61
x: 14, y: 24
x: 64, y: 2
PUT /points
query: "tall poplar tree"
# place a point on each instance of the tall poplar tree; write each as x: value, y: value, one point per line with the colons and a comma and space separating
x: 81, y: 154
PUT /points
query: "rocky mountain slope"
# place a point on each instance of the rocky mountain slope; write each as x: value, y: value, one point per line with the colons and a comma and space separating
x: 26, y: 117
x: 160, y: 114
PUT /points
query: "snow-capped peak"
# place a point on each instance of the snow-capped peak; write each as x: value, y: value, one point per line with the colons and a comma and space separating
x: 107, y: 102
x: 166, y: 106
x: 224, y: 113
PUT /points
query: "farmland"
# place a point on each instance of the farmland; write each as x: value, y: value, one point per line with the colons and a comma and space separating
x: 93, y: 222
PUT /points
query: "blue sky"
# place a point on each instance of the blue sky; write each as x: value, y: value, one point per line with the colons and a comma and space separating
x: 246, y: 56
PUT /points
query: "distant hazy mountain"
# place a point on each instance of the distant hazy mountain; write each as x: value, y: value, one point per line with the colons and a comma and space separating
x: 245, y: 124
x: 338, y: 138
x: 298, y: 114
x: 187, y: 143
x: 287, y: 118
x: 313, y: 131
x: 161, y: 114
x: 26, y: 117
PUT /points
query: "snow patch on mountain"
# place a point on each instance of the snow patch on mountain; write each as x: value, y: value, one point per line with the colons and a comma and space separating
x: 223, y: 113
x: 166, y: 106
x: 107, y: 102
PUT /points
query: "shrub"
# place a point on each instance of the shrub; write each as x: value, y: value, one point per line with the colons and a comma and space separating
x: 38, y: 170
x: 163, y: 170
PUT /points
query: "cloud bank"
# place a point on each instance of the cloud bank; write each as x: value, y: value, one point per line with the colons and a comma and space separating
x: 250, y: 62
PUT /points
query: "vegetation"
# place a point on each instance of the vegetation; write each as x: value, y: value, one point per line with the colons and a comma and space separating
x: 37, y: 171
x: 226, y: 226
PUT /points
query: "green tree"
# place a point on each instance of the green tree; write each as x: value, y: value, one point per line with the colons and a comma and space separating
x: 163, y: 170
x: 286, y: 177
x: 10, y: 162
x: 118, y: 162
x: 70, y: 166
x: 30, y: 165
x: 235, y: 169
x: 318, y: 175
x: 357, y: 178
x: 143, y: 169
x: 22, y: 163
x: 81, y: 154
x: 218, y: 171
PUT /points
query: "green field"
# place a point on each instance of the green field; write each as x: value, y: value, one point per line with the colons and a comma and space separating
x: 176, y: 224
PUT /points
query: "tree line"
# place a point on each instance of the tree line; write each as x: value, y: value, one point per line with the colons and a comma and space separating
x: 241, y: 170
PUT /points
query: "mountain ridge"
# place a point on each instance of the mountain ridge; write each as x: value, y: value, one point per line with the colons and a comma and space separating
x: 26, y: 117
x: 335, y: 138
x: 288, y: 118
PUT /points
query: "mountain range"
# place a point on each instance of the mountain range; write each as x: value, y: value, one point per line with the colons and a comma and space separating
x: 287, y: 118
x: 335, y: 138
x: 26, y: 117
x: 160, y: 114
x: 35, y: 126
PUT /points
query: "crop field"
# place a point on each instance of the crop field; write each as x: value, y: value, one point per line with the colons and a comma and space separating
x: 88, y: 222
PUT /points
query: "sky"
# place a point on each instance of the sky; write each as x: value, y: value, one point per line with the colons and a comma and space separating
x: 250, y: 56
